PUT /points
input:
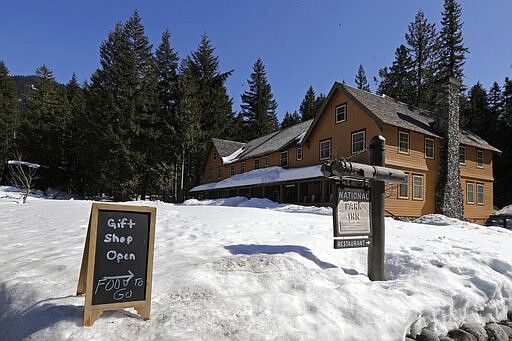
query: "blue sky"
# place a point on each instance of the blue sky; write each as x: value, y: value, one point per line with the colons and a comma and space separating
x: 301, y: 43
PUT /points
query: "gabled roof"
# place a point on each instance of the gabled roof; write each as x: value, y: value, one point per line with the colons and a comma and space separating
x: 267, y: 144
x: 386, y: 110
x: 226, y: 147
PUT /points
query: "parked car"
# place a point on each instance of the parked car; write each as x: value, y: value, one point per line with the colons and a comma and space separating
x: 501, y: 221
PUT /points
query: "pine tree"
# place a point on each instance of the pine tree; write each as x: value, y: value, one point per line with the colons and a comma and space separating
x: 478, y: 117
x: 123, y: 109
x: 361, y: 81
x: 258, y: 104
x: 205, y: 109
x: 506, y: 101
x: 309, y: 106
x: 290, y: 119
x: 452, y: 52
x: 421, y: 41
x: 44, y: 126
x: 8, y: 114
x: 396, y: 81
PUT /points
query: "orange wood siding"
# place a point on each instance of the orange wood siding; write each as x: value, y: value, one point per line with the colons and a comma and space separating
x: 213, y: 162
x: 339, y: 133
x: 413, y: 162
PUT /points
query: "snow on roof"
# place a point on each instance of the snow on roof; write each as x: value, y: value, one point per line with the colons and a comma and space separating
x: 507, y: 210
x: 263, y: 176
x: 232, y: 157
x: 23, y: 163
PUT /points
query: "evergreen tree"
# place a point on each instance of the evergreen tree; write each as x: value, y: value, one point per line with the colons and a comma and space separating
x: 452, y: 52
x: 361, y: 81
x: 45, y: 123
x: 309, y: 106
x: 290, y: 119
x: 506, y: 101
x: 320, y: 101
x: 75, y: 136
x: 421, y: 41
x: 478, y: 117
x: 8, y: 114
x: 495, y: 98
x: 396, y: 81
x: 123, y: 109
x: 169, y: 141
x: 205, y: 109
x: 258, y: 104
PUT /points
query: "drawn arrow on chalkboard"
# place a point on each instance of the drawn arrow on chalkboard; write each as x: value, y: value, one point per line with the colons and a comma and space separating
x: 125, y: 278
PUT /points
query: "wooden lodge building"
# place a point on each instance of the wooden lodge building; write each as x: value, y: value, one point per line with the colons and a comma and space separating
x: 285, y: 165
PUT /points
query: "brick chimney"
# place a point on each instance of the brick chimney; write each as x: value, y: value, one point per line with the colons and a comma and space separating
x: 449, y: 199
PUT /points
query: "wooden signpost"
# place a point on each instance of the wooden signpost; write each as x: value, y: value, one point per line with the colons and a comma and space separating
x: 117, y: 263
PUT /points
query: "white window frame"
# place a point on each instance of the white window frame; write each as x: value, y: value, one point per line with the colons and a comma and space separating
x: 284, y: 159
x: 343, y: 108
x: 405, y: 150
x: 363, y: 140
x: 470, y: 192
x: 427, y: 156
x: 403, y: 186
x: 299, y: 153
x: 322, y: 143
x: 266, y: 160
x: 415, y: 187
x: 479, y: 158
x: 480, y: 193
x: 462, y: 155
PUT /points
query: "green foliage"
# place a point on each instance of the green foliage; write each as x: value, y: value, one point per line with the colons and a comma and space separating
x: 361, y: 81
x: 290, y: 119
x: 258, y: 105
x: 452, y: 52
x: 9, y: 119
x: 309, y: 106
x: 421, y: 41
x: 396, y: 81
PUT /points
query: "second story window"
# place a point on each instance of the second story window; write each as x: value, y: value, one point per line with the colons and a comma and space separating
x: 214, y: 155
x: 429, y: 148
x: 341, y: 113
x: 266, y: 160
x: 219, y: 172
x: 257, y: 163
x: 232, y: 170
x: 284, y: 159
x: 325, y: 149
x: 403, y: 142
x: 358, y: 141
x: 462, y: 155
x: 480, y: 158
x: 242, y: 167
x: 299, y: 153
x: 210, y: 174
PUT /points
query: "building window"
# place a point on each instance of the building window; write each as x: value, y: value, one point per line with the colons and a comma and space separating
x: 403, y: 188
x: 210, y: 174
x: 341, y: 113
x: 470, y: 192
x: 480, y: 194
x: 429, y: 148
x: 266, y: 160
x: 480, y: 158
x: 417, y: 187
x: 325, y: 149
x: 214, y: 155
x: 232, y: 170
x: 242, y: 167
x: 358, y: 141
x: 403, y: 142
x: 219, y: 172
x: 257, y: 163
x: 299, y: 153
x: 284, y: 159
x: 462, y: 155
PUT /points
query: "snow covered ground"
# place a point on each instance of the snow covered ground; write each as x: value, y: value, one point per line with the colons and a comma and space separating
x: 253, y: 270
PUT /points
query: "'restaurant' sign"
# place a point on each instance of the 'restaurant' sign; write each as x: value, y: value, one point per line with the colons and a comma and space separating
x: 352, y: 212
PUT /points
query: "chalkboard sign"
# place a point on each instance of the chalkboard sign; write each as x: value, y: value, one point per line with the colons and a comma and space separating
x: 117, y: 262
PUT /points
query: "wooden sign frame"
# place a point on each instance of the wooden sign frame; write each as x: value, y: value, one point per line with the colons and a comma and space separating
x: 86, y: 280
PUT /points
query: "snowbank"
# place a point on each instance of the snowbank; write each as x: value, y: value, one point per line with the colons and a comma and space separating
x: 242, y: 273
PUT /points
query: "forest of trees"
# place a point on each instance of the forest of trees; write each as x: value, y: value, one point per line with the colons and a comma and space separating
x: 142, y: 124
